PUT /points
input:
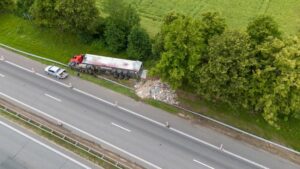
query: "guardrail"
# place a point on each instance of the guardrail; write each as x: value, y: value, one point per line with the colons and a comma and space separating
x: 184, y: 109
x: 65, y: 138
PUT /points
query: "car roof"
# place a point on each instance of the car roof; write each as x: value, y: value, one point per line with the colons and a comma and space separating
x: 54, y: 68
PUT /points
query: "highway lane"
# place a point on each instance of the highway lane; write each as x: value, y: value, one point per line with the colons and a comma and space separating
x: 20, y: 150
x: 151, y: 142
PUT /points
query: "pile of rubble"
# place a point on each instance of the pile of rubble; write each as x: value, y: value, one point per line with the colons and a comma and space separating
x: 157, y: 90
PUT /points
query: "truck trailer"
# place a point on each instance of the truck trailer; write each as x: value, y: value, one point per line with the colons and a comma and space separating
x: 119, y: 68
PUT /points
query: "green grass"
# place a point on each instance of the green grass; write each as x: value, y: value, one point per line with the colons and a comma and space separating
x: 237, y: 12
x: 289, y: 134
x: 59, y: 46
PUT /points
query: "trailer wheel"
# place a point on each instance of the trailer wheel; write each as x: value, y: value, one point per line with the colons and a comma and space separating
x: 115, y: 74
x: 121, y: 76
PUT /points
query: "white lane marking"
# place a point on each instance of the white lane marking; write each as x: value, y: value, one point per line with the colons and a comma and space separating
x: 114, y: 124
x: 203, y: 164
x: 244, y: 159
x: 18, y: 66
x: 92, y: 96
x: 143, y: 117
x: 44, y: 145
x: 122, y: 108
x: 1, y: 75
x: 55, y: 81
x: 52, y: 97
x: 81, y: 131
x: 173, y: 129
x: 32, y: 71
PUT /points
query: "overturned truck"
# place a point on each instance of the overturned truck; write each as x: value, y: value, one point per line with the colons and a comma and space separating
x: 119, y: 68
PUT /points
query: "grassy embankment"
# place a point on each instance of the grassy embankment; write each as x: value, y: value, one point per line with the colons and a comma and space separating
x: 59, y: 46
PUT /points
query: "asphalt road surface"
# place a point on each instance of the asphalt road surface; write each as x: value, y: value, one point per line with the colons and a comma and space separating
x: 20, y: 150
x: 140, y: 139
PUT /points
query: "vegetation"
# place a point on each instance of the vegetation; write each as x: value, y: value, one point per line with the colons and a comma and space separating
x: 236, y: 12
x: 6, y: 6
x: 263, y: 27
x: 182, y: 46
x: 139, y: 44
x: 252, y: 69
x: 23, y: 7
x: 119, y: 23
x: 69, y: 15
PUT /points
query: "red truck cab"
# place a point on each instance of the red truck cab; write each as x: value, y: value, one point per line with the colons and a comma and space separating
x: 77, y: 59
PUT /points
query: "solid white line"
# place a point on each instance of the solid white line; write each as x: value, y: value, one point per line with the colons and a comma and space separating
x: 18, y: 66
x: 203, y: 164
x: 194, y: 138
x: 31, y: 71
x: 114, y: 124
x: 244, y: 159
x: 44, y: 145
x: 206, y: 117
x: 81, y: 131
x: 1, y: 75
x: 92, y: 96
x: 52, y: 97
x: 139, y: 115
x: 173, y: 129
x: 55, y: 81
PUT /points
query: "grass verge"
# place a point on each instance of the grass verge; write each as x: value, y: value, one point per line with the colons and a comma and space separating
x: 56, y: 140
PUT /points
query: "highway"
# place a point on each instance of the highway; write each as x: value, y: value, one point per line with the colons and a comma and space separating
x: 20, y: 150
x: 125, y: 132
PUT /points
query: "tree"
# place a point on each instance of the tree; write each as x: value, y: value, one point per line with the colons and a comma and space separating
x: 23, y: 7
x: 115, y: 36
x: 225, y: 76
x: 182, y: 44
x: 212, y: 24
x: 6, y: 6
x: 276, y: 83
x: 121, y: 19
x: 44, y: 13
x: 139, y: 44
x: 158, y: 45
x: 262, y: 27
x: 77, y: 15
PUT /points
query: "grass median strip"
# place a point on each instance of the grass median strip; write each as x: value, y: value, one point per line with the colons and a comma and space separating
x: 57, y: 139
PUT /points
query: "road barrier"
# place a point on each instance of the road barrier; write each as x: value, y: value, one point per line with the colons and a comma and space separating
x: 181, y: 108
x: 59, y: 135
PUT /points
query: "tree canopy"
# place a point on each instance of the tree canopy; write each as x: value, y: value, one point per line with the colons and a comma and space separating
x: 70, y: 15
x: 23, y: 7
x: 262, y: 27
x: 6, y: 6
x: 212, y: 24
x: 139, y: 44
x: 183, y: 44
x: 226, y: 74
x: 121, y: 19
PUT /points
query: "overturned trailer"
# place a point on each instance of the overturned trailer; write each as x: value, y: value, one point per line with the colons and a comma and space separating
x: 119, y: 68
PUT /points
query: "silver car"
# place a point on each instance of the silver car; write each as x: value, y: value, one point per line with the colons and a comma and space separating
x: 56, y: 72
